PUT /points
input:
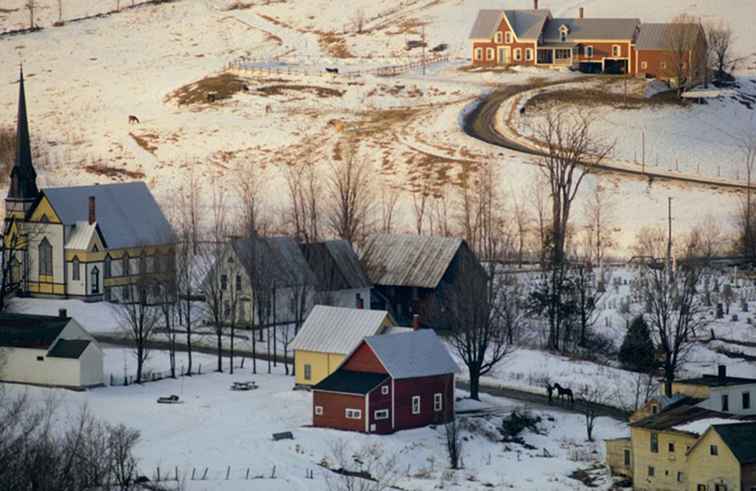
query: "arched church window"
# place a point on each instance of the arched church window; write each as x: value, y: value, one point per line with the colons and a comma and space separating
x: 45, y: 258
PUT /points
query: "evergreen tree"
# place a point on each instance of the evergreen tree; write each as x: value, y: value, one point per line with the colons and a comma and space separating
x: 637, y: 351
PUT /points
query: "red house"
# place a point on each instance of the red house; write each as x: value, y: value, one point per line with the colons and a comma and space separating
x: 389, y: 383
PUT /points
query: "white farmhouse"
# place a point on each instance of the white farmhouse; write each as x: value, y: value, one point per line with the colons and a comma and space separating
x: 48, y: 350
x: 720, y: 392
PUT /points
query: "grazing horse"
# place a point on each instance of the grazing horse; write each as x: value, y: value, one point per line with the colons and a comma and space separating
x: 564, y: 392
x: 550, y: 392
x: 332, y: 70
x: 133, y: 119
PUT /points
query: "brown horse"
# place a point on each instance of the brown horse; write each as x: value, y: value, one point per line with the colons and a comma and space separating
x: 133, y: 119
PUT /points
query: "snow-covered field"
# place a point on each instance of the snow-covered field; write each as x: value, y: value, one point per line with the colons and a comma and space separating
x: 85, y: 78
x: 216, y: 428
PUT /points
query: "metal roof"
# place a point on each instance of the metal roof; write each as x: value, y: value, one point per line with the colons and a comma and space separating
x: 408, y: 260
x: 717, y: 381
x: 677, y: 414
x: 337, y: 329
x: 349, y: 382
x: 335, y: 265
x: 30, y: 331
x: 413, y: 354
x: 527, y: 24
x: 127, y: 213
x: 656, y: 35
x: 277, y: 260
x: 69, y: 348
x: 80, y: 235
x: 741, y: 439
x: 590, y: 28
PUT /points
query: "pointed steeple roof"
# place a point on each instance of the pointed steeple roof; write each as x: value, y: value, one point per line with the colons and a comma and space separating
x: 23, y: 176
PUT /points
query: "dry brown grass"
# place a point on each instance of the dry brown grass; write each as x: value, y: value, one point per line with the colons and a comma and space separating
x: 224, y: 86
x: 311, y: 89
x: 100, y: 168
x: 410, y: 25
x: 146, y: 141
x: 597, y: 97
x: 334, y: 44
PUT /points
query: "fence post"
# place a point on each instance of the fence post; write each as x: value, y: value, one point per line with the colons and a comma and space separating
x: 204, y: 476
x: 177, y: 479
x: 158, y: 474
x: 193, y: 470
x: 228, y: 472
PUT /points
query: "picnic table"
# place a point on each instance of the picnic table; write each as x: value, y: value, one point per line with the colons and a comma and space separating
x: 171, y: 399
x: 248, y: 385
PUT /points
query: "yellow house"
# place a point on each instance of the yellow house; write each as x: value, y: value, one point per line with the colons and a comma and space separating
x: 724, y: 459
x: 328, y: 335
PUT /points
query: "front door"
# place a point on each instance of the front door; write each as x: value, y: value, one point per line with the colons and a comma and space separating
x: 503, y: 56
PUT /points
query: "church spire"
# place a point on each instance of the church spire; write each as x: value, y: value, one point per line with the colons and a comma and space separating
x: 23, y: 176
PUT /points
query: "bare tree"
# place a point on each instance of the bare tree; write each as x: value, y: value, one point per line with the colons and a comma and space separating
x: 591, y: 398
x: 453, y: 442
x: 31, y: 6
x: 169, y: 302
x: 60, y: 11
x: 540, y: 196
x: 389, y: 199
x: 571, y: 154
x: 684, y: 42
x: 350, y: 196
x: 420, y: 191
x: 478, y: 328
x: 598, y: 212
x: 675, y: 311
x: 747, y: 144
x: 719, y: 38
x: 358, y: 20
x: 522, y: 221
x: 304, y: 201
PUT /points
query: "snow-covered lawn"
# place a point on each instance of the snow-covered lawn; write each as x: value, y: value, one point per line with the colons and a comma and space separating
x: 215, y: 428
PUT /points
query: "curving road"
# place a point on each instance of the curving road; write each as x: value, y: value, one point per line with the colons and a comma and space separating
x: 480, y: 124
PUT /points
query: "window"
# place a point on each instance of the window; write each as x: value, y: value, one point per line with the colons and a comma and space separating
x: 95, y: 278
x: 644, y: 65
x: 654, y: 409
x: 746, y: 400
x: 142, y: 263
x: 226, y: 309
x: 517, y: 54
x: 489, y: 53
x: 385, y: 390
x: 40, y: 358
x: 508, y: 37
x: 238, y: 282
x: 318, y: 410
x: 528, y: 54
x: 308, y: 371
x: 126, y: 293
x: 651, y: 471
x: 663, y: 65
x: 44, y: 219
x: 720, y: 487
x: 499, y: 37
x: 671, y: 447
x: 415, y: 404
x: 126, y: 264
x: 616, y: 50
x: 478, y: 53
x: 562, y: 54
x: 627, y: 457
x: 76, y: 269
x: 353, y: 413
x: 654, y: 442
x: 45, y: 258
x: 224, y: 282
x: 563, y: 33
x: 725, y: 402
x: 713, y: 450
x: 438, y: 402
x: 589, y: 51
x: 701, y: 487
x: 108, y: 271
x: 382, y: 414
x: 679, y: 477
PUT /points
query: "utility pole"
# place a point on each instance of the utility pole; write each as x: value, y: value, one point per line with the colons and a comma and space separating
x: 643, y: 153
x: 424, y: 43
x: 669, y: 237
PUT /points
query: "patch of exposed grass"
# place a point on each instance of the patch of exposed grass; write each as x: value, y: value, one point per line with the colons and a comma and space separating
x: 312, y: 89
x: 146, y: 141
x: 335, y: 45
x: 596, y: 97
x: 102, y: 169
x: 407, y: 26
x: 223, y: 87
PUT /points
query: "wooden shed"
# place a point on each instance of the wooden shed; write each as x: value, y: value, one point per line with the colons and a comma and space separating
x: 389, y: 383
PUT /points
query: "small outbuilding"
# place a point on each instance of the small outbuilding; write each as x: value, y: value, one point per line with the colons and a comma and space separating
x: 389, y: 383
x: 328, y: 335
x: 50, y: 351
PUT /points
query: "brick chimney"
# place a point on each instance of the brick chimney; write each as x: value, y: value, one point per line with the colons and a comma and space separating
x: 582, y: 12
x: 722, y: 372
x: 62, y: 313
x: 416, y: 318
x: 535, y: 4
x: 92, y: 211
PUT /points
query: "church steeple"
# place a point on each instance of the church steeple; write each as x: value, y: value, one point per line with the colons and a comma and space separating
x: 23, y: 186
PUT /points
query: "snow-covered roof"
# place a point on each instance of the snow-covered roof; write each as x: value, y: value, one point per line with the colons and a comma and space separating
x: 655, y: 35
x: 701, y: 425
x: 81, y: 235
x: 338, y: 329
x: 413, y: 354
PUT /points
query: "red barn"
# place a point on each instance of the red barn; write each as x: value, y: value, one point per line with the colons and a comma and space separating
x: 388, y: 383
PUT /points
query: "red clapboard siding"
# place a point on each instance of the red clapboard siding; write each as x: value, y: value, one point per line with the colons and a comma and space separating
x: 378, y: 401
x: 334, y: 407
x: 364, y: 360
x: 425, y: 387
